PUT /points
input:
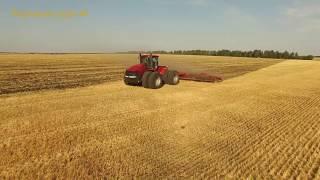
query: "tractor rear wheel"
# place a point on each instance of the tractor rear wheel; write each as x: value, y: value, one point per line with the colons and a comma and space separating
x: 155, y: 81
x: 172, y: 78
x: 145, y: 79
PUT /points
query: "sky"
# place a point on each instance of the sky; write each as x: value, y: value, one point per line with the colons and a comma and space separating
x: 137, y: 25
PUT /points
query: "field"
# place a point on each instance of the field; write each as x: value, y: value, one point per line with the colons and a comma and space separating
x: 262, y: 122
x: 32, y: 72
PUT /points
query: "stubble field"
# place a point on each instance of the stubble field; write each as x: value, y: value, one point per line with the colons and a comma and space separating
x: 33, y: 72
x: 262, y: 122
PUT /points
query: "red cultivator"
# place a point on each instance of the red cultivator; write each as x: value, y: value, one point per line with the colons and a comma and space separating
x: 201, y: 77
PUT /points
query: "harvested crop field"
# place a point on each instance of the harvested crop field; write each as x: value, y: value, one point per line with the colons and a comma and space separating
x: 32, y: 72
x: 261, y: 123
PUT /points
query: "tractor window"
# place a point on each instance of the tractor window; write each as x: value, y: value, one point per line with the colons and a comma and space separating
x: 148, y: 62
x: 155, y: 61
x: 145, y: 60
x: 152, y: 63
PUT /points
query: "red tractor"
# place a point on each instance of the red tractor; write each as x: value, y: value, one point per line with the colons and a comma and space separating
x: 150, y: 74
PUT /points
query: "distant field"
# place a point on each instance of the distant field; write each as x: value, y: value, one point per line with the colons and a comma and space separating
x: 31, y: 72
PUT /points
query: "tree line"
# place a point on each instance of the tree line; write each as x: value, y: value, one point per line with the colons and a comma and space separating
x: 254, y: 54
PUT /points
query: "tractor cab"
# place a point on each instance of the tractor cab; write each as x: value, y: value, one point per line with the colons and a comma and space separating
x: 150, y: 61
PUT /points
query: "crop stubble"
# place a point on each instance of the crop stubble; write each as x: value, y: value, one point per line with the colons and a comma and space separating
x: 33, y: 72
x: 264, y: 124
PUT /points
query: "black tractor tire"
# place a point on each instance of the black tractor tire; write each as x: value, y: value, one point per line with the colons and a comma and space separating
x: 126, y: 83
x: 172, y: 78
x: 155, y: 81
x: 129, y: 84
x: 145, y: 79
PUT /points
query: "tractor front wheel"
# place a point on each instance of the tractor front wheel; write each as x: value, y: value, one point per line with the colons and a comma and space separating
x: 155, y: 81
x: 145, y: 79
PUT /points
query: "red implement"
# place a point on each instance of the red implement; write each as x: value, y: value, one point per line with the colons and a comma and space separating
x: 201, y: 77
